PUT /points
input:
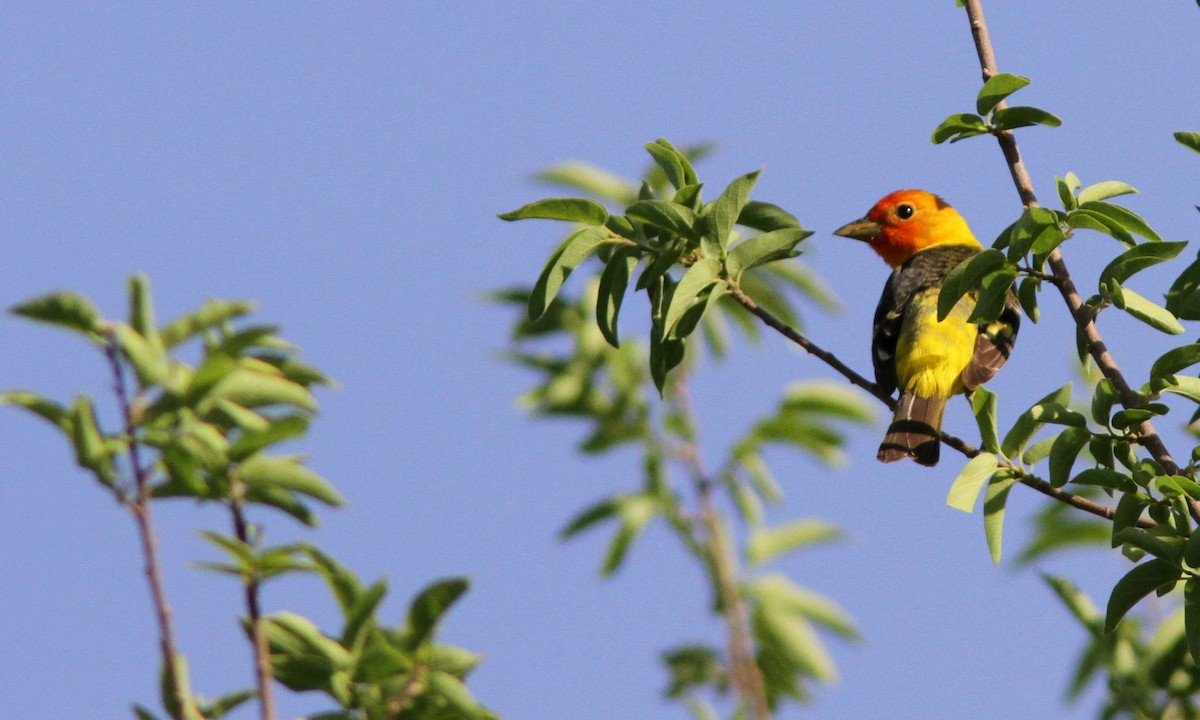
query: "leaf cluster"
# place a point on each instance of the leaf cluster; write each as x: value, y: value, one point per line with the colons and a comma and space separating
x: 992, y: 114
x: 692, y: 259
x: 684, y: 253
x: 210, y: 430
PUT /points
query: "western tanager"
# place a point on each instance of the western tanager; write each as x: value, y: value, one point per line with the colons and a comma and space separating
x: 922, y: 238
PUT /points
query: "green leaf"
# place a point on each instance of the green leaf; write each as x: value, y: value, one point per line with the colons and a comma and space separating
x: 1051, y: 408
x: 766, y: 544
x: 1127, y: 219
x: 458, y: 698
x: 1103, y: 399
x: 1186, y: 385
x: 1178, y: 486
x: 581, y: 210
x: 91, y: 451
x: 590, y: 179
x: 994, y: 501
x: 1036, y: 227
x: 1139, y: 258
x: 1135, y: 585
x: 1104, y: 190
x: 635, y: 512
x: 1103, y: 477
x: 1190, y: 140
x: 983, y: 405
x: 665, y: 215
x: 1191, y: 604
x: 958, y: 127
x: 1183, y: 299
x: 43, y: 407
x: 673, y: 163
x: 1063, y: 452
x: 222, y: 705
x: 286, y: 473
x: 993, y: 294
x: 1087, y: 219
x: 148, y: 360
x: 141, y: 310
x: 725, y: 210
x: 250, y: 387
x: 211, y: 314
x: 1153, y: 315
x: 971, y: 479
x: 176, y: 691
x: 766, y: 217
x: 589, y: 516
x: 765, y: 248
x: 778, y: 593
x: 1066, y: 187
x: 1128, y: 512
x: 570, y: 254
x: 69, y: 310
x: 998, y: 87
x: 429, y: 605
x: 1076, y: 601
x: 701, y: 276
x: 1174, y: 360
x: 611, y: 292
x: 1027, y: 292
x: 280, y: 429
x: 828, y: 399
x: 966, y: 277
x: 1020, y: 116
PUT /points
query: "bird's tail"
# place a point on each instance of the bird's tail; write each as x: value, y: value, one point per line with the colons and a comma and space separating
x: 914, y: 430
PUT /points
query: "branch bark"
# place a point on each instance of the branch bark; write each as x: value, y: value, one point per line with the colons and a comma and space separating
x: 970, y: 451
x: 745, y: 674
x: 264, y: 676
x: 139, y: 507
x: 1084, y: 321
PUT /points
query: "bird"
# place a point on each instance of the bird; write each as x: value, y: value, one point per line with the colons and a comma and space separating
x: 922, y: 238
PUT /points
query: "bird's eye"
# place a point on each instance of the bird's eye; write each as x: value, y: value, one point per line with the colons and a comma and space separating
x: 905, y: 211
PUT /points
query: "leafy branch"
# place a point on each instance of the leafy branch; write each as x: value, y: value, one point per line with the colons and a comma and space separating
x: 209, y: 432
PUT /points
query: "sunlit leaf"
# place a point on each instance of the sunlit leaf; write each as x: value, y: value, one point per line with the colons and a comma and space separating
x: 580, y: 210
x: 997, y: 88
x: 994, y: 501
x: 69, y: 310
x: 766, y: 544
x: 569, y: 255
x: 1135, y: 585
x: 971, y: 479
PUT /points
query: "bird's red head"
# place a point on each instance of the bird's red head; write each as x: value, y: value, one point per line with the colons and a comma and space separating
x: 906, y: 221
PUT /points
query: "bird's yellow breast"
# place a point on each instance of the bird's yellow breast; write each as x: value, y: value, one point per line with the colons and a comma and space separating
x: 931, y: 355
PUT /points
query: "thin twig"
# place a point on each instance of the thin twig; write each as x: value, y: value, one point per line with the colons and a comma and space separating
x: 744, y: 671
x: 139, y: 506
x: 1084, y: 320
x: 951, y: 441
x: 264, y: 675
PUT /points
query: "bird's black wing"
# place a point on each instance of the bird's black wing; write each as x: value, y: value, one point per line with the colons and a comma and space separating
x: 884, y: 336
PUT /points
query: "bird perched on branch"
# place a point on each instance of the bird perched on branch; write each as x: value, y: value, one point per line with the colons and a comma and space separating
x: 922, y: 238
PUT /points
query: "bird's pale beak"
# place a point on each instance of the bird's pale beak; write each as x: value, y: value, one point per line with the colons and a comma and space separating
x: 862, y: 229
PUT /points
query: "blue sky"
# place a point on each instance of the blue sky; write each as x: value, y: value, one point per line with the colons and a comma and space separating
x: 342, y: 165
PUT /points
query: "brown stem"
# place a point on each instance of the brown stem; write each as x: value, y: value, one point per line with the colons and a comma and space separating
x: 1084, y: 320
x: 264, y: 675
x: 745, y: 674
x: 958, y: 444
x: 139, y: 506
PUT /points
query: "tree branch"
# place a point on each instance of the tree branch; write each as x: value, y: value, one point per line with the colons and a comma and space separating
x: 744, y: 672
x: 958, y: 444
x: 264, y: 675
x: 1084, y: 321
x: 139, y: 506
